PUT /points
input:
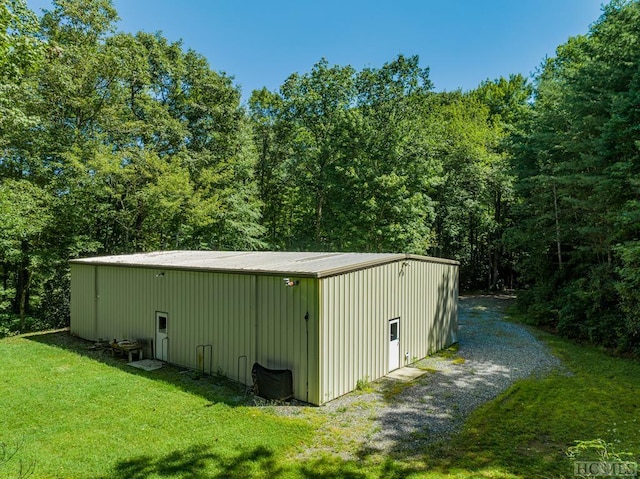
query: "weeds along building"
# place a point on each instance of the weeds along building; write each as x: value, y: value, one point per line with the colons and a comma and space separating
x: 330, y: 318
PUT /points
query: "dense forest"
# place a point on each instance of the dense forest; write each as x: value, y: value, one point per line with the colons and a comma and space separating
x: 115, y: 143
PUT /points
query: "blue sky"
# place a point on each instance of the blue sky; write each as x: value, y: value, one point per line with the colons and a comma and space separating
x: 463, y: 42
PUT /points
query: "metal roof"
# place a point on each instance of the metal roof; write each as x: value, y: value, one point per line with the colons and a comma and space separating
x: 304, y: 264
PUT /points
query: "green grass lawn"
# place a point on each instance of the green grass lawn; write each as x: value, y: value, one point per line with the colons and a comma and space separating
x: 79, y: 417
x: 73, y: 414
x: 527, y: 430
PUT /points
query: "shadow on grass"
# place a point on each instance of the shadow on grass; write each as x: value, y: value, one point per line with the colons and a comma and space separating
x: 333, y: 467
x: 213, y: 388
x: 198, y: 462
x: 202, y: 462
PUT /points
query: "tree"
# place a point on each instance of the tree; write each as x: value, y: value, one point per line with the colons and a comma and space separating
x: 121, y: 143
x: 508, y: 103
x: 24, y: 217
x: 20, y: 224
x: 396, y: 169
x: 340, y: 165
x: 20, y: 54
x: 318, y: 108
x: 578, y: 160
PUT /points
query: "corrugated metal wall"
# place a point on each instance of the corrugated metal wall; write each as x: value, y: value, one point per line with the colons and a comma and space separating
x: 345, y: 339
x: 245, y: 318
x: 430, y: 307
x: 214, y: 309
x: 83, y: 305
x: 202, y: 308
x: 283, y: 340
x: 124, y: 303
x: 356, y: 309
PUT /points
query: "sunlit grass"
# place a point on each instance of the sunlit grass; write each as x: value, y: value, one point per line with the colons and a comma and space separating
x: 76, y: 416
x: 528, y: 429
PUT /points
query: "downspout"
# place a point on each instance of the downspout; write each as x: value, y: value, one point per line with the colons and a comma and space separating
x: 555, y: 212
x: 95, y: 302
x: 255, y: 319
x: 306, y: 322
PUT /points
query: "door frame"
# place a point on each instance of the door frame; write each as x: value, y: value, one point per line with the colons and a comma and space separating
x: 161, y: 336
x: 394, y: 362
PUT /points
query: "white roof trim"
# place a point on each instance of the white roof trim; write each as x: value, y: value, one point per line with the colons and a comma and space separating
x: 303, y: 264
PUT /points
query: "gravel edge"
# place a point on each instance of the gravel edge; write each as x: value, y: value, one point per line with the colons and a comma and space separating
x: 396, y: 417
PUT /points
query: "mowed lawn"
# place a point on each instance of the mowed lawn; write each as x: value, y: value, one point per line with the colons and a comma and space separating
x: 73, y: 414
x: 527, y: 431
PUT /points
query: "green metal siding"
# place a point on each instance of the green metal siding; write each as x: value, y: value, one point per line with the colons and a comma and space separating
x: 208, y: 308
x: 83, y: 294
x: 124, y: 303
x: 202, y: 308
x: 282, y: 335
x: 430, y: 301
x: 246, y: 318
x: 356, y: 308
x: 345, y: 339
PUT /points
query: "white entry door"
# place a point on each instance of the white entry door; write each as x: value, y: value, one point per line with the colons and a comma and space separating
x: 394, y: 344
x: 162, y: 341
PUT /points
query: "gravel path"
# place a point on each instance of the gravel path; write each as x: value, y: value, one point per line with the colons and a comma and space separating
x: 402, y: 417
x: 492, y: 355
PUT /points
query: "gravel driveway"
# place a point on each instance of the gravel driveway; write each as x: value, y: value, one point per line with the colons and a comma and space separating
x: 402, y: 417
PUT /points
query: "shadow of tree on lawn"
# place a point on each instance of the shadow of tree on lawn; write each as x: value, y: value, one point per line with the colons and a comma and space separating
x: 198, y: 462
x: 203, y: 463
x: 336, y: 467
x: 215, y: 389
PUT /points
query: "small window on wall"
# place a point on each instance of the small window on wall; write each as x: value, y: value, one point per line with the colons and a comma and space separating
x: 393, y: 329
x: 162, y: 324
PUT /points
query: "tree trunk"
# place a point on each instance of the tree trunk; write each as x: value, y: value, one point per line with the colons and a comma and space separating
x: 5, y: 276
x: 319, y: 206
x: 24, y: 300
x: 495, y: 246
x: 555, y: 212
x: 23, y: 282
